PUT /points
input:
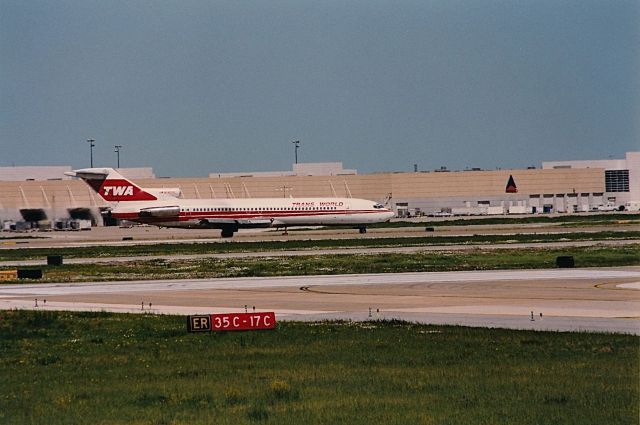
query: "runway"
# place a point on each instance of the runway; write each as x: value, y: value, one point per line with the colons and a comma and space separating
x: 605, y: 299
x: 150, y: 235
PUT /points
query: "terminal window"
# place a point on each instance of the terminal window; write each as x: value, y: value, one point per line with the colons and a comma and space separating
x: 616, y: 180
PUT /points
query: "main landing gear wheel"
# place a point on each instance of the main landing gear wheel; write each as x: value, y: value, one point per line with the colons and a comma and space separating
x: 227, y: 233
x: 363, y: 229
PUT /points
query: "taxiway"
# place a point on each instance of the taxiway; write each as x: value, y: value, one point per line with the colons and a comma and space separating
x: 561, y: 299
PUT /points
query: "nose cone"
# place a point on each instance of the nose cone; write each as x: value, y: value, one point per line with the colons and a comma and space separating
x: 388, y: 215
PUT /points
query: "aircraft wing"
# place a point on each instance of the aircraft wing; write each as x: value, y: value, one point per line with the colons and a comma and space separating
x: 241, y: 223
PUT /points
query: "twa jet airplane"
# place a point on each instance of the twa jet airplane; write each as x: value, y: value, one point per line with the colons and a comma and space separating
x: 162, y: 207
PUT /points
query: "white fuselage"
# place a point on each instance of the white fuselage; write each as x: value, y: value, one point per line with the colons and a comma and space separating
x: 256, y: 212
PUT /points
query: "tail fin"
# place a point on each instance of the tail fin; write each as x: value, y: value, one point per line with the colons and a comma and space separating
x: 111, y: 185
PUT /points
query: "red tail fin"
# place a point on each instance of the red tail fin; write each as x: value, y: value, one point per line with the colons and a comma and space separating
x: 112, y: 186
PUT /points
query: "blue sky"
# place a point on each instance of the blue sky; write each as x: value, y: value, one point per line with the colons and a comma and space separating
x: 191, y: 87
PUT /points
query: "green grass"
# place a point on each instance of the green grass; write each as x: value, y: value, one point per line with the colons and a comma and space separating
x: 477, y: 259
x: 233, y: 246
x: 587, y: 220
x: 78, y: 368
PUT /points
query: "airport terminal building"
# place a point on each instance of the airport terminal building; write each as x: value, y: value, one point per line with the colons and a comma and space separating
x: 43, y: 196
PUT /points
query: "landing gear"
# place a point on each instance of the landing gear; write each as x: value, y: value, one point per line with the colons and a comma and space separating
x: 227, y: 232
x: 285, y: 232
x: 362, y: 229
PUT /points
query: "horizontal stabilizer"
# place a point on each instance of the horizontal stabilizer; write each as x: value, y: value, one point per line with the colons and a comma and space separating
x: 89, y: 173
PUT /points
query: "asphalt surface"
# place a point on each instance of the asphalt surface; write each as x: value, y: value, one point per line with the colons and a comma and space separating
x: 603, y: 300
x: 146, y: 235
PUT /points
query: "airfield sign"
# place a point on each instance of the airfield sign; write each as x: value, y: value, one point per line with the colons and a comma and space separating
x: 231, y: 322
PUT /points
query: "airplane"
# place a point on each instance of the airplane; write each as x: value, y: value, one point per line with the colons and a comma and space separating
x: 163, y: 207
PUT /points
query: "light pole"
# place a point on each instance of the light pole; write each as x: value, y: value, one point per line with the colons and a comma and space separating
x: 91, y: 145
x: 117, y: 151
x: 296, y: 145
x: 284, y: 190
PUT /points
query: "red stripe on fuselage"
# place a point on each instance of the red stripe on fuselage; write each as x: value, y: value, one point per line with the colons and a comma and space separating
x: 190, y: 215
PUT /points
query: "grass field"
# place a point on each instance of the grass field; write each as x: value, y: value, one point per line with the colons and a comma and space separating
x: 566, y: 219
x: 100, y: 368
x: 478, y: 259
x: 235, y: 246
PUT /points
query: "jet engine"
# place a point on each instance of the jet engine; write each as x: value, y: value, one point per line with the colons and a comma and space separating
x: 172, y: 211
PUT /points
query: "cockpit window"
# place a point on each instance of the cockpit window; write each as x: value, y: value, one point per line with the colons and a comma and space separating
x: 378, y: 206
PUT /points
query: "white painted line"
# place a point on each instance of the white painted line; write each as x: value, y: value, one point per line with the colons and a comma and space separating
x: 295, y: 281
x: 633, y: 285
x: 138, y: 308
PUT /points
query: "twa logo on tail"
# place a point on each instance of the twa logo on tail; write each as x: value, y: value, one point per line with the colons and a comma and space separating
x: 115, y: 190
x: 111, y: 185
x: 118, y: 190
